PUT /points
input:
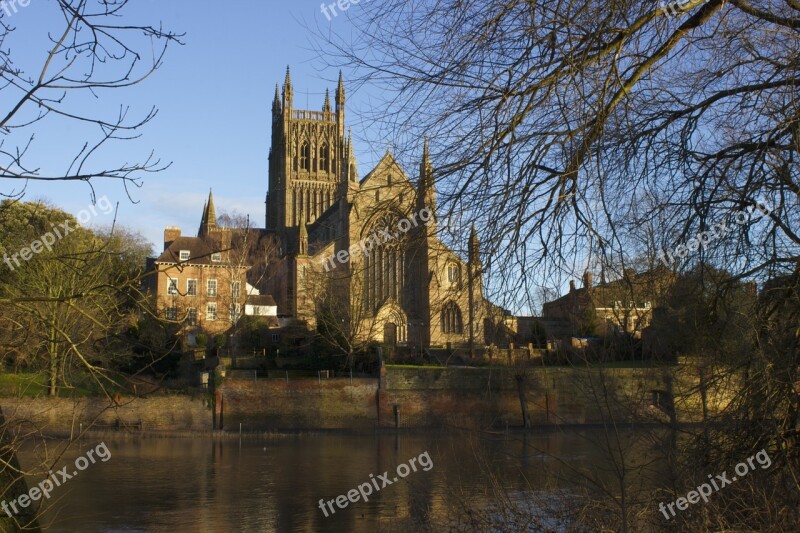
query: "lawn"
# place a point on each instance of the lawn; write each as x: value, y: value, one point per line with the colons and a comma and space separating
x: 32, y: 385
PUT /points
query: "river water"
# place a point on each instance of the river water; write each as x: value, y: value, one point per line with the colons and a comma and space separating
x: 275, y: 483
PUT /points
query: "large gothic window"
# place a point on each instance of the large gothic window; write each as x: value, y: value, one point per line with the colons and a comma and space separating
x: 305, y: 155
x: 385, y: 264
x: 451, y: 318
x: 323, y: 157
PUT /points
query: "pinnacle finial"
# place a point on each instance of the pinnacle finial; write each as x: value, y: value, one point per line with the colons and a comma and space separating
x: 327, y: 105
x: 287, y: 87
x: 340, y: 93
x: 276, y: 102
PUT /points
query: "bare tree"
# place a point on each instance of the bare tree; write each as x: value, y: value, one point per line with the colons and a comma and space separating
x: 564, y: 127
x: 621, y: 132
x: 90, y: 53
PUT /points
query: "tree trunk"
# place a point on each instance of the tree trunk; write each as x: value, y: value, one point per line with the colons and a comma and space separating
x: 53, y: 370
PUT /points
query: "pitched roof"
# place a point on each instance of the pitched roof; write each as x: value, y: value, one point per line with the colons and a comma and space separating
x: 386, y: 161
x: 199, y: 252
x: 261, y: 299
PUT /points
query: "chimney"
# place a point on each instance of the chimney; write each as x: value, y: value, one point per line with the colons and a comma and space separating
x: 572, y: 285
x: 170, y: 234
x: 587, y: 280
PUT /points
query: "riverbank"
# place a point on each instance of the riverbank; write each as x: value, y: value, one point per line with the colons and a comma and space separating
x: 401, y: 398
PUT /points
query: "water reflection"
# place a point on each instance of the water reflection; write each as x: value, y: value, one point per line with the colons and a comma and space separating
x: 201, y: 484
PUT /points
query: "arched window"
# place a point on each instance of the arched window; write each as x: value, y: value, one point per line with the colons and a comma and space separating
x: 453, y: 274
x: 305, y: 155
x: 323, y: 157
x: 451, y: 318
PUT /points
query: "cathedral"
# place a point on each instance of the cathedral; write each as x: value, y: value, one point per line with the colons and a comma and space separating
x: 362, y: 257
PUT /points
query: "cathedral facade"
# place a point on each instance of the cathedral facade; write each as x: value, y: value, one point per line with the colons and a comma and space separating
x: 362, y: 257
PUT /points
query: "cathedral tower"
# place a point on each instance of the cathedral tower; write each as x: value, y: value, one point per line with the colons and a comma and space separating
x: 309, y: 162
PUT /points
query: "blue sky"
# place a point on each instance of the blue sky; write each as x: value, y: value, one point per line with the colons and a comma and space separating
x: 213, y: 97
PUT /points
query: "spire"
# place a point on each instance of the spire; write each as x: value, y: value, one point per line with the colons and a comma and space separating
x: 211, y: 215
x: 327, y: 105
x: 276, y: 102
x: 203, y: 219
x: 288, y: 94
x: 340, y: 94
x: 426, y: 195
x: 474, y: 245
x: 209, y: 220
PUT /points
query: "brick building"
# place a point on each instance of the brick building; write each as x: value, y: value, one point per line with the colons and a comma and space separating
x: 200, y: 281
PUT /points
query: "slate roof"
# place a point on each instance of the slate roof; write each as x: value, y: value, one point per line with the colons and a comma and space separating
x: 199, y: 252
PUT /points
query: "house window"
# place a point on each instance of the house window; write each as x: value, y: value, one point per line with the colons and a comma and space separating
x: 216, y: 257
x: 647, y: 305
x: 236, y: 289
x: 377, y: 196
x: 631, y: 305
x: 184, y: 255
x: 451, y: 318
x: 211, y: 288
x: 172, y: 313
x: 235, y: 312
x: 211, y: 311
x: 172, y: 287
x: 191, y: 287
x: 274, y: 337
x: 191, y: 317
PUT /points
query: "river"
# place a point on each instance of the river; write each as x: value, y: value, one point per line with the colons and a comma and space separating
x: 276, y: 483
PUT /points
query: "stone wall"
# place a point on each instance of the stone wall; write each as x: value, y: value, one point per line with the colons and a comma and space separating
x: 157, y: 413
x: 490, y: 397
x: 299, y: 403
x: 436, y: 397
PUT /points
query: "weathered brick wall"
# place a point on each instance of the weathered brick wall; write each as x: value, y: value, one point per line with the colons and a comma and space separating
x: 299, y: 403
x: 435, y: 397
x: 482, y: 396
x: 63, y: 415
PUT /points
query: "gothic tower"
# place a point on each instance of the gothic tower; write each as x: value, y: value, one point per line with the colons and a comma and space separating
x: 309, y: 162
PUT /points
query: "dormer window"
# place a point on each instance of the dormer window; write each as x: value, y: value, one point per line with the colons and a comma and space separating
x: 184, y: 255
x: 216, y: 257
